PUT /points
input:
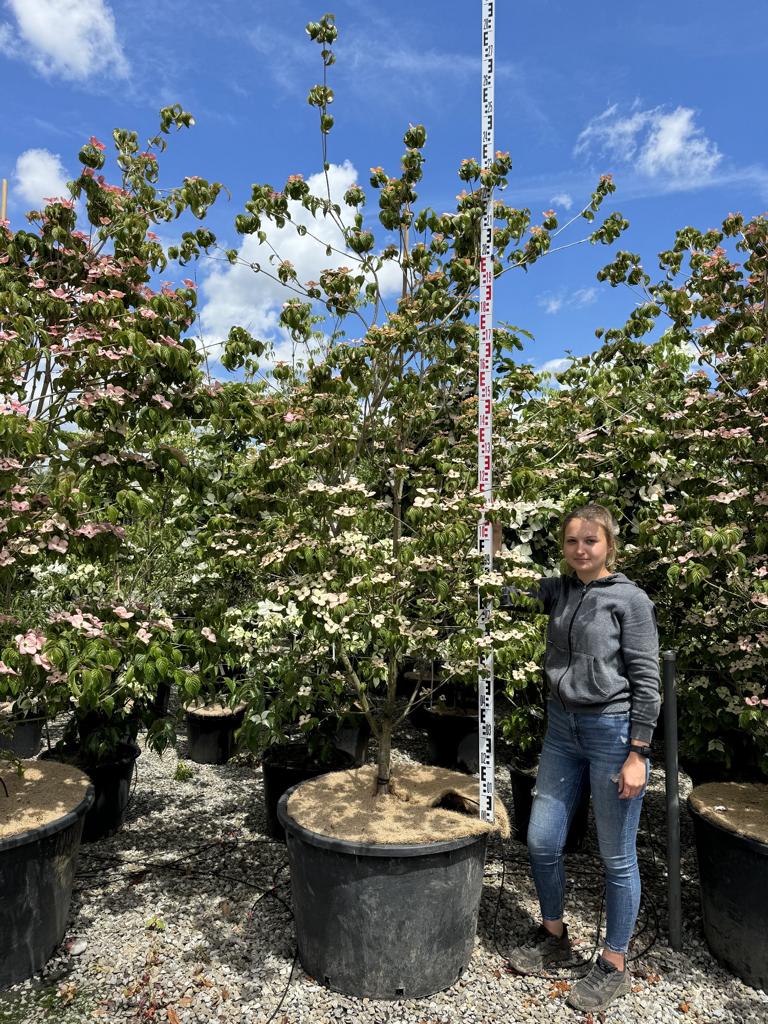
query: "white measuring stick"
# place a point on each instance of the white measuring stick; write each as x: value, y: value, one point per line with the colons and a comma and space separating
x: 485, y: 425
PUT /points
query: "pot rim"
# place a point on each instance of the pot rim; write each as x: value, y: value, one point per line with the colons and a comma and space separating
x: 33, y: 835
x: 751, y: 842
x: 126, y: 753
x: 359, y: 848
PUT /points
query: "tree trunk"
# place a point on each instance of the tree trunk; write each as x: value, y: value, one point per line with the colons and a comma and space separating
x: 385, y: 756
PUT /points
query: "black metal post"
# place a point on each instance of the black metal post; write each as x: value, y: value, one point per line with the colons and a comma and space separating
x: 674, y: 901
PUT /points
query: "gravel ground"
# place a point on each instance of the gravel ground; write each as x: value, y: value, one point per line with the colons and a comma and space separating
x: 184, y: 916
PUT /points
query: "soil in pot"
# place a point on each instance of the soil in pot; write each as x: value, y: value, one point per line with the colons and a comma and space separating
x: 285, y: 765
x: 731, y: 828
x: 40, y: 827
x: 211, y: 732
x: 21, y: 735
x: 523, y: 779
x: 112, y: 785
x: 386, y: 890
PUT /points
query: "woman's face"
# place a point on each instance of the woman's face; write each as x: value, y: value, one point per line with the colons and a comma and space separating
x: 585, y: 549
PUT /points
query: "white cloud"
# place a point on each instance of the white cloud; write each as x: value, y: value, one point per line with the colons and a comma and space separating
x: 553, y: 366
x: 39, y: 174
x: 666, y: 146
x: 562, y: 199
x: 76, y: 39
x: 553, y: 304
x: 235, y: 294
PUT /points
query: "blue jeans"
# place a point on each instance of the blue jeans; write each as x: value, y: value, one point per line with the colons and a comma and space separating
x: 577, y: 744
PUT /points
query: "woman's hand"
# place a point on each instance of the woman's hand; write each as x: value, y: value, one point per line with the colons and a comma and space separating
x: 632, y: 776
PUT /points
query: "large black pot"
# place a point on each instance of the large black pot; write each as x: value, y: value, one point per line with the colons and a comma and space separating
x: 37, y: 868
x: 24, y: 736
x: 287, y: 764
x: 112, y: 785
x: 453, y: 738
x: 733, y: 875
x: 384, y: 921
x: 352, y: 737
x: 211, y: 737
x: 523, y: 781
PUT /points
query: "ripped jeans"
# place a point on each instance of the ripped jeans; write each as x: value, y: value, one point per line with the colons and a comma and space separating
x: 577, y: 744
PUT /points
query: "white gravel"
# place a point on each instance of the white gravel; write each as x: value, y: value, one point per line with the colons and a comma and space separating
x: 184, y: 917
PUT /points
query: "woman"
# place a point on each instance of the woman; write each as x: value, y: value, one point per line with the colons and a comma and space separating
x: 602, y: 668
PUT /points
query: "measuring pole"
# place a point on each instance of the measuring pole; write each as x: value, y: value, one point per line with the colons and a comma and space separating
x: 485, y: 425
x: 3, y: 199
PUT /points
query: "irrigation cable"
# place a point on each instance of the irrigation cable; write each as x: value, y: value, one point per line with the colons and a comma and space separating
x: 270, y: 892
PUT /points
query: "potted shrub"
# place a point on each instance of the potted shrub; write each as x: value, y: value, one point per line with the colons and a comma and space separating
x: 357, y: 507
x: 42, y: 808
x: 92, y: 372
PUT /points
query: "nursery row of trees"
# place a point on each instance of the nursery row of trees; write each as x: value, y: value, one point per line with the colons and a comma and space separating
x: 296, y: 534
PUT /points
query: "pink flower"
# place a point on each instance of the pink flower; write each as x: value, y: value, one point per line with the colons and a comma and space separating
x: 290, y: 417
x: 6, y: 558
x: 43, y: 662
x: 162, y: 402
x: 59, y: 544
x: 105, y: 459
x: 143, y: 635
x: 96, y: 144
x: 6, y: 670
x: 752, y: 701
x: 208, y: 634
x: 30, y: 642
x: 122, y: 613
x: 189, y: 283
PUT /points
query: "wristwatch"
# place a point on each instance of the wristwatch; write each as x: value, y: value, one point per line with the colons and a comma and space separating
x: 643, y: 751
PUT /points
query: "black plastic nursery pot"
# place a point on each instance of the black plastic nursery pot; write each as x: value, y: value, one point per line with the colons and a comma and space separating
x: 523, y: 783
x: 112, y: 786
x: 37, y: 868
x: 211, y: 736
x: 352, y: 737
x: 384, y: 921
x: 453, y: 738
x: 287, y: 764
x: 733, y: 876
x: 24, y: 736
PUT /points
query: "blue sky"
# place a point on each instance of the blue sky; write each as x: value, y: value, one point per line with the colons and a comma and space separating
x: 669, y: 98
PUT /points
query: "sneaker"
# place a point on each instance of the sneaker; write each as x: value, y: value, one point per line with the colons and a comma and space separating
x: 600, y: 987
x: 540, y: 949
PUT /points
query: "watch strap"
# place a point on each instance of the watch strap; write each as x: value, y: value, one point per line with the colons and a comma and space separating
x: 640, y: 748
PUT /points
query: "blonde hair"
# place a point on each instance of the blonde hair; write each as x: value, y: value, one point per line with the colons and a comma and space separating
x: 603, y: 517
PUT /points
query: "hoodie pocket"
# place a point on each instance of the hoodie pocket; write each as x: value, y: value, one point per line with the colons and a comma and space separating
x: 573, y: 678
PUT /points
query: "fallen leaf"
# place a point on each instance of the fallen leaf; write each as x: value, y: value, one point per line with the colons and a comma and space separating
x: 186, y: 1001
x: 173, y: 1017
x: 684, y: 1007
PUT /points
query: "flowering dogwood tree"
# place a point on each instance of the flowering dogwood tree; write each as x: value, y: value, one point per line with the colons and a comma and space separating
x: 672, y: 436
x: 357, y: 501
x: 93, y: 369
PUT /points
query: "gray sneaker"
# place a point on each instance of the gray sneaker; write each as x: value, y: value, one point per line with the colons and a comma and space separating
x: 540, y: 949
x: 600, y: 987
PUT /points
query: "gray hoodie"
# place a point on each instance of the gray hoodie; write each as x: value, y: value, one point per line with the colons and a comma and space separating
x: 602, y: 648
